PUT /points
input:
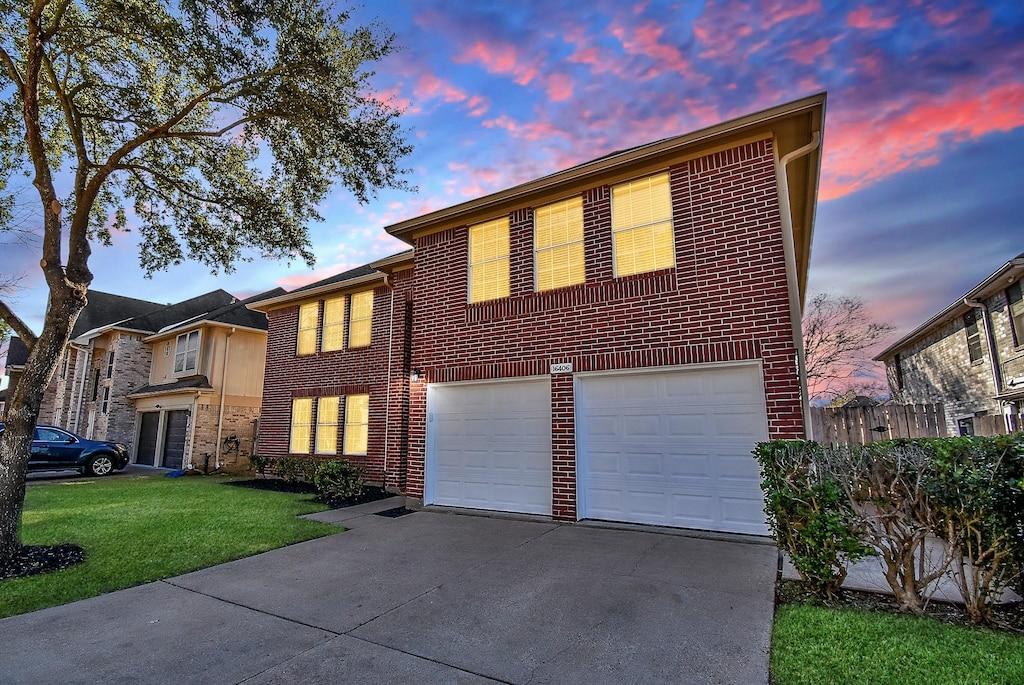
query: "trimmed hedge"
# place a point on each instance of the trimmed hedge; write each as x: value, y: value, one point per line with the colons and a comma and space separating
x: 828, y: 506
x: 332, y: 478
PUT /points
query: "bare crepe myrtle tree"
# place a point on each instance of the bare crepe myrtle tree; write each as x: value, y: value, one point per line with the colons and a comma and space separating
x: 219, y: 124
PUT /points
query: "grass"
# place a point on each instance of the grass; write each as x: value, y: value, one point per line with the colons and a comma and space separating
x: 815, y: 644
x: 139, y: 529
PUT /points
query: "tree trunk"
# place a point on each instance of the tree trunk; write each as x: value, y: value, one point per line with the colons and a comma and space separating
x: 22, y: 409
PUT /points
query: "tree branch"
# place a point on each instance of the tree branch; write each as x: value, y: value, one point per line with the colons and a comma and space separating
x: 12, y: 69
x: 18, y: 326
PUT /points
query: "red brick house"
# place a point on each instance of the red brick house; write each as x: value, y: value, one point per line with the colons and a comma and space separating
x: 607, y: 342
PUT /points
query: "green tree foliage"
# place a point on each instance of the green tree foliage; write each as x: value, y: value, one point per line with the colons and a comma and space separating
x: 213, y: 128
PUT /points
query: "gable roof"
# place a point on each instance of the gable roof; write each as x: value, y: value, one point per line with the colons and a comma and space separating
x: 1000, y: 279
x: 17, y: 353
x: 179, y: 312
x: 236, y: 313
x: 103, y: 309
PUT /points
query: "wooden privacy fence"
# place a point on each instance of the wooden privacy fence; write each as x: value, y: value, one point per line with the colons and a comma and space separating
x: 859, y: 425
x: 995, y: 424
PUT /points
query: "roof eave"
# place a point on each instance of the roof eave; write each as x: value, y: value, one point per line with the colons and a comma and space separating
x: 174, y: 332
x: 298, y: 296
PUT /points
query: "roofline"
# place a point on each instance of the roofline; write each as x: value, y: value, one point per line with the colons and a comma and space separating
x: 173, y: 332
x: 299, y: 295
x: 956, y: 308
x: 605, y: 164
x: 175, y: 391
x: 394, y: 260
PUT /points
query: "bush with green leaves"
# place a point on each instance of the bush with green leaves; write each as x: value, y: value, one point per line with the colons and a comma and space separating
x: 808, y: 514
x: 259, y: 463
x: 338, y: 479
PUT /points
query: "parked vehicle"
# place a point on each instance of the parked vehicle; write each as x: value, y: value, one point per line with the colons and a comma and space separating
x: 55, y: 449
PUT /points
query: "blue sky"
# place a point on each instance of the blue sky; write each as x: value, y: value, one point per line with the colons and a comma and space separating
x: 921, y: 182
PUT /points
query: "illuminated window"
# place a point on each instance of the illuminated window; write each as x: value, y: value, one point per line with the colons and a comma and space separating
x: 642, y: 234
x: 488, y: 260
x: 334, y: 324
x: 558, y: 244
x: 308, y: 315
x: 302, y: 417
x: 357, y: 423
x: 186, y: 354
x: 361, y: 324
x: 327, y: 425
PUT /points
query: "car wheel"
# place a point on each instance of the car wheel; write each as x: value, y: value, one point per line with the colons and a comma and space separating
x: 100, y: 465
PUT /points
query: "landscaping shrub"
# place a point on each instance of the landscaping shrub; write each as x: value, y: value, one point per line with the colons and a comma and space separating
x: 259, y: 463
x: 808, y: 514
x: 338, y: 479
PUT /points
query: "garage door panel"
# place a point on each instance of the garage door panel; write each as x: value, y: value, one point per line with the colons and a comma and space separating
x: 489, y: 446
x: 673, y: 448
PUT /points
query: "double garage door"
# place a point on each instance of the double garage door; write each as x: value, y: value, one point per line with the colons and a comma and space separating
x: 666, y: 447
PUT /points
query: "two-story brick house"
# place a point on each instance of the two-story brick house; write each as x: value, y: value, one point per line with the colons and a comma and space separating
x: 607, y: 342
x: 969, y: 356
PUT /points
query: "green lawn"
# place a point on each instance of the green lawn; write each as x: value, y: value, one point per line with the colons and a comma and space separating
x: 814, y: 644
x: 138, y: 529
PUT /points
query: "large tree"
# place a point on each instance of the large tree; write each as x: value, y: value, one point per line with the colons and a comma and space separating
x: 839, y: 331
x: 213, y: 128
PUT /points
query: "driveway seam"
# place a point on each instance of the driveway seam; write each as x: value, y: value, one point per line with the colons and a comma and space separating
x: 430, y: 659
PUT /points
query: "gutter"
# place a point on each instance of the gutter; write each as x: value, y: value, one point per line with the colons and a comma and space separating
x: 223, y: 392
x: 789, y: 249
x: 993, y: 353
x: 387, y: 395
x: 299, y: 295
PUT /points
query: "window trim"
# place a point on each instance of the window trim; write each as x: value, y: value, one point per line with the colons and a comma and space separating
x: 971, y: 320
x: 537, y: 251
x: 315, y: 328
x: 1016, y: 334
x: 110, y: 363
x: 320, y: 423
x: 340, y: 323
x: 352, y: 320
x: 186, y: 370
x: 617, y: 231
x: 349, y: 422
x: 105, y: 405
x: 507, y: 258
x: 292, y: 424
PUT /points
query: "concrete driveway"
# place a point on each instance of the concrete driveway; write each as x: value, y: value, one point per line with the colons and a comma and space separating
x: 426, y: 598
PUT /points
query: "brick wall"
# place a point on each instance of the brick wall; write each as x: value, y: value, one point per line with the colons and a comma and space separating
x: 343, y: 372
x: 726, y: 300
x: 238, y: 422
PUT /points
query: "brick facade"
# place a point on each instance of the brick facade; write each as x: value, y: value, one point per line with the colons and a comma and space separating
x: 936, y: 368
x: 725, y: 300
x: 343, y: 372
x: 238, y: 423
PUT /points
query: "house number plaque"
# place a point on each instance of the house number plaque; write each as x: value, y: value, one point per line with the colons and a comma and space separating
x: 561, y: 368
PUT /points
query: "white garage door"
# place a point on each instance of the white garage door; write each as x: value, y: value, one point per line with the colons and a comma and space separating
x: 673, y: 448
x: 489, y: 445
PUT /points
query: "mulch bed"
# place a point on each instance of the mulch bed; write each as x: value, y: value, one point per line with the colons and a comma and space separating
x: 33, y: 559
x: 370, y: 494
x: 1006, y: 617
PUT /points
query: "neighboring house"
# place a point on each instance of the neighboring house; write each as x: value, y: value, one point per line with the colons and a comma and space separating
x: 606, y: 342
x: 969, y: 356
x: 199, y: 405
x: 336, y: 380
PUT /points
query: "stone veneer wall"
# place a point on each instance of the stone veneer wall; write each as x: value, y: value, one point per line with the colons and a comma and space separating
x: 238, y: 421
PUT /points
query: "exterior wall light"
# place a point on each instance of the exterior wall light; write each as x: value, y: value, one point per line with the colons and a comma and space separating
x: 417, y: 375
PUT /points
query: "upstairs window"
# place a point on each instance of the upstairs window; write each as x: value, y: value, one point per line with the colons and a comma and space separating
x: 110, y: 363
x: 898, y: 372
x: 327, y: 425
x: 357, y: 423
x: 334, y: 324
x: 973, y: 336
x: 308, y: 319
x: 642, y: 236
x: 558, y: 244
x: 302, y: 419
x: 105, y: 406
x: 64, y: 367
x: 186, y: 353
x: 361, y: 323
x: 488, y: 260
x: 1015, y: 303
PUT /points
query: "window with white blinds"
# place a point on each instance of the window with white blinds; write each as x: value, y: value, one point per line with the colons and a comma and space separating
x: 308, y: 316
x: 488, y: 260
x: 334, y: 324
x: 357, y: 423
x: 327, y: 425
x: 642, y: 236
x: 302, y: 418
x: 361, y: 323
x: 558, y: 244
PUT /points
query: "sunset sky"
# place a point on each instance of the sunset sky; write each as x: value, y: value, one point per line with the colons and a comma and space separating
x: 922, y: 193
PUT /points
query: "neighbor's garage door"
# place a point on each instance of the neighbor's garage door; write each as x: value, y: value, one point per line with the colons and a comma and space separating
x: 489, y: 445
x: 673, y: 448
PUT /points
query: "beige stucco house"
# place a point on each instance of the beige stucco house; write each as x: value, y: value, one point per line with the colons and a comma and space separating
x: 969, y: 356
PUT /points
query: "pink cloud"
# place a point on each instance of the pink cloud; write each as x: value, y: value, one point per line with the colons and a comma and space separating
x: 864, y: 18
x: 429, y: 86
x: 645, y: 40
x: 559, y: 87
x: 810, y: 53
x: 294, y: 281
x: 867, y: 146
x: 525, y: 130
x: 498, y: 57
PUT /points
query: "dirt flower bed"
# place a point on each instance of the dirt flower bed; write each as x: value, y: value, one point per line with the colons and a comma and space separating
x: 1008, y: 618
x: 370, y: 494
x: 33, y: 559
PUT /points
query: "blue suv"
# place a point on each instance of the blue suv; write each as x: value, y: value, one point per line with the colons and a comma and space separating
x: 55, y: 449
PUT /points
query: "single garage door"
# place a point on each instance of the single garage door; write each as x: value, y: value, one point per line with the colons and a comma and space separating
x: 489, y: 445
x: 150, y: 425
x: 672, y: 448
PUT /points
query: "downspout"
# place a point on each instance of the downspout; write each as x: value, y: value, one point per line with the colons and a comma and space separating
x: 993, y: 358
x: 387, y: 395
x: 81, y: 386
x: 223, y: 391
x: 789, y: 249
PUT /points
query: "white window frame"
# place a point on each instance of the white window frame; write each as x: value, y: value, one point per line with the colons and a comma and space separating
x: 537, y: 251
x: 614, y: 230
x: 352, y: 320
x: 187, y: 370
x: 349, y: 422
x: 291, y: 425
x: 322, y: 423
x: 507, y: 257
